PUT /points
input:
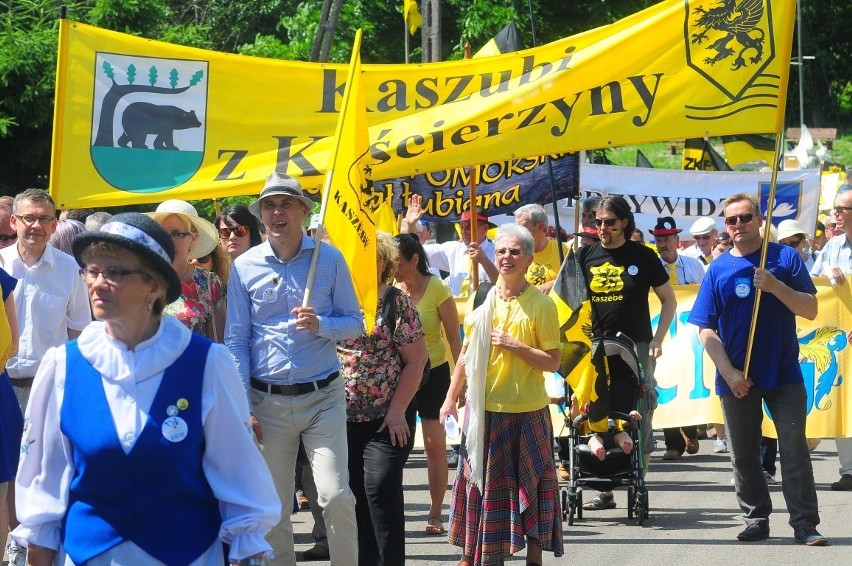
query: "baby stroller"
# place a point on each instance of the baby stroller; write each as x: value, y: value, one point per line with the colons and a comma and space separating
x: 617, y: 468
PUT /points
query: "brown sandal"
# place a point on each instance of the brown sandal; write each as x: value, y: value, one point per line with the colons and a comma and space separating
x: 434, y: 526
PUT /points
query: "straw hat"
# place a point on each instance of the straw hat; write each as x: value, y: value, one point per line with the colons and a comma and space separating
x: 208, y: 236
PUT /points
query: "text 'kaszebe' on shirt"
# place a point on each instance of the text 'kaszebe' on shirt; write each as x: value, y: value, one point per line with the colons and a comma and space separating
x: 619, y: 280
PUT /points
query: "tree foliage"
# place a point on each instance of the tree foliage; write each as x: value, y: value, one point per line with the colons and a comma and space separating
x: 286, y: 29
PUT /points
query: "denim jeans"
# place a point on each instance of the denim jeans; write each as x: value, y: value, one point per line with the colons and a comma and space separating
x: 375, y: 476
x: 743, y: 418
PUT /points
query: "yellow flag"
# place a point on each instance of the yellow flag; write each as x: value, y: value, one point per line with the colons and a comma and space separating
x: 386, y: 219
x: 411, y: 14
x: 140, y: 121
x: 346, y: 212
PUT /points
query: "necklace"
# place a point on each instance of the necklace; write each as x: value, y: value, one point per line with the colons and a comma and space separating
x: 512, y: 297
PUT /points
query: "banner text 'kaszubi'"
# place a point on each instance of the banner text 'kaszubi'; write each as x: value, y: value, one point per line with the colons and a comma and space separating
x: 217, y: 123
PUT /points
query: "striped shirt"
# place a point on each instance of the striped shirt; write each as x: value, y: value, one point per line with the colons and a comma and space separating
x: 261, y: 329
x: 837, y: 252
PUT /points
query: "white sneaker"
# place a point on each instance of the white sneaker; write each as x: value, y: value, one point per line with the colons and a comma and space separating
x: 720, y: 446
x: 17, y: 555
x: 769, y: 477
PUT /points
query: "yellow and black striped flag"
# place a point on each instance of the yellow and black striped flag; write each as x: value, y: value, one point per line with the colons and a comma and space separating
x: 749, y: 148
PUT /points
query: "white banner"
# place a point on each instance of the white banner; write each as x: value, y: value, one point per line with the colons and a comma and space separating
x: 687, y: 195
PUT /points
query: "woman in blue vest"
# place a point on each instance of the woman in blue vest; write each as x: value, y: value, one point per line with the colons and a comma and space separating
x: 137, y: 447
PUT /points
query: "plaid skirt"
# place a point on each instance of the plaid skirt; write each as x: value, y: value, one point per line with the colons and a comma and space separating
x: 521, y: 496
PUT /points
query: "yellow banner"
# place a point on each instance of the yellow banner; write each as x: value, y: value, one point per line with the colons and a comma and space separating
x: 686, y: 375
x: 138, y: 120
x: 346, y: 213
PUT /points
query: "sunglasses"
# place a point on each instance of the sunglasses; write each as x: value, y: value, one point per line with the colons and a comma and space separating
x: 744, y: 218
x: 510, y: 251
x: 608, y: 222
x: 842, y: 208
x: 239, y: 231
x: 724, y: 237
x: 204, y: 258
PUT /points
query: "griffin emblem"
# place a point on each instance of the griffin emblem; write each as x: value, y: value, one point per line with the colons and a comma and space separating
x: 737, y: 20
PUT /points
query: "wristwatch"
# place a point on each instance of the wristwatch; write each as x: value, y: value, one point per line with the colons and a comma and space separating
x: 253, y: 561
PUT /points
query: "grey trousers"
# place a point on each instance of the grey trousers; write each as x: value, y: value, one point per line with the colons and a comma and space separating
x: 743, y: 417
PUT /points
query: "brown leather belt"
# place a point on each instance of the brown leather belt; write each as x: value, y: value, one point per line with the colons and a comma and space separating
x: 295, y: 389
x: 22, y: 381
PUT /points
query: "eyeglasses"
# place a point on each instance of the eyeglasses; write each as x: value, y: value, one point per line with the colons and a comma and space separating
x: 8, y: 237
x: 510, y: 251
x: 179, y: 235
x: 226, y: 231
x: 842, y: 209
x: 29, y: 219
x: 744, y: 218
x: 703, y: 237
x: 608, y: 222
x: 112, y: 275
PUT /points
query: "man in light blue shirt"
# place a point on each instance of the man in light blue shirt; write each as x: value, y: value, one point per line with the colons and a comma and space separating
x: 835, y: 262
x: 286, y: 355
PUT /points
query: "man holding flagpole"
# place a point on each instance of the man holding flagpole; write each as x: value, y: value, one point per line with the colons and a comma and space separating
x: 286, y: 355
x: 722, y: 311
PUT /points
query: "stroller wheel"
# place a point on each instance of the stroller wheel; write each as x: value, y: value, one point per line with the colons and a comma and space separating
x: 565, y: 503
x: 641, y: 505
x: 578, y: 504
x: 631, y: 501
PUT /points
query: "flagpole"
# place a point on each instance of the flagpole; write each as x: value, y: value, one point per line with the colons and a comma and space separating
x: 784, y: 46
x: 474, y: 221
x: 764, y: 250
x: 405, y: 34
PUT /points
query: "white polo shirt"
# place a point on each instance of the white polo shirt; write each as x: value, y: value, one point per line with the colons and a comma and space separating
x: 50, y: 299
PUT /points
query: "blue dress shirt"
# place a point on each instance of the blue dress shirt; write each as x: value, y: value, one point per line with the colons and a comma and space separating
x: 261, y: 329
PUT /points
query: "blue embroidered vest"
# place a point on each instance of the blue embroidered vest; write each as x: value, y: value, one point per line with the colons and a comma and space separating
x: 156, y: 496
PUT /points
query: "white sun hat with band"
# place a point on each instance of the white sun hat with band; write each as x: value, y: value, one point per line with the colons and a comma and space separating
x: 208, y: 236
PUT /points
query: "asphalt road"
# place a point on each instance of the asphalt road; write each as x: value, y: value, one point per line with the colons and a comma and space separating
x: 694, y: 519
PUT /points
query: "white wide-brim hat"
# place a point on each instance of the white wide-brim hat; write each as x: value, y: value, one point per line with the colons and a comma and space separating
x: 208, y: 236
x: 788, y: 228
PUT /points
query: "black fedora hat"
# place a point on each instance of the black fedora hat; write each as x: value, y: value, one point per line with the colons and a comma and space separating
x: 141, y: 235
x: 665, y: 227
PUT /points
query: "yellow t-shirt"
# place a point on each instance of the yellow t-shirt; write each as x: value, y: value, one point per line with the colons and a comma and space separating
x: 546, y: 264
x: 512, y: 385
x: 437, y: 292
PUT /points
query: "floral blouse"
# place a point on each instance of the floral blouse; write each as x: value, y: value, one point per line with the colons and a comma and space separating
x: 200, y: 296
x: 371, y: 364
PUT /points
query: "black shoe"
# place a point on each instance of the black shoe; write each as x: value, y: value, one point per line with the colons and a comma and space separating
x: 844, y: 484
x: 316, y: 553
x: 755, y: 532
x: 809, y: 536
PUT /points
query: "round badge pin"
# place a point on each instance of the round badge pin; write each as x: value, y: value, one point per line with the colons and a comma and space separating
x: 171, y: 411
x: 632, y: 270
x: 175, y: 429
x: 182, y: 404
